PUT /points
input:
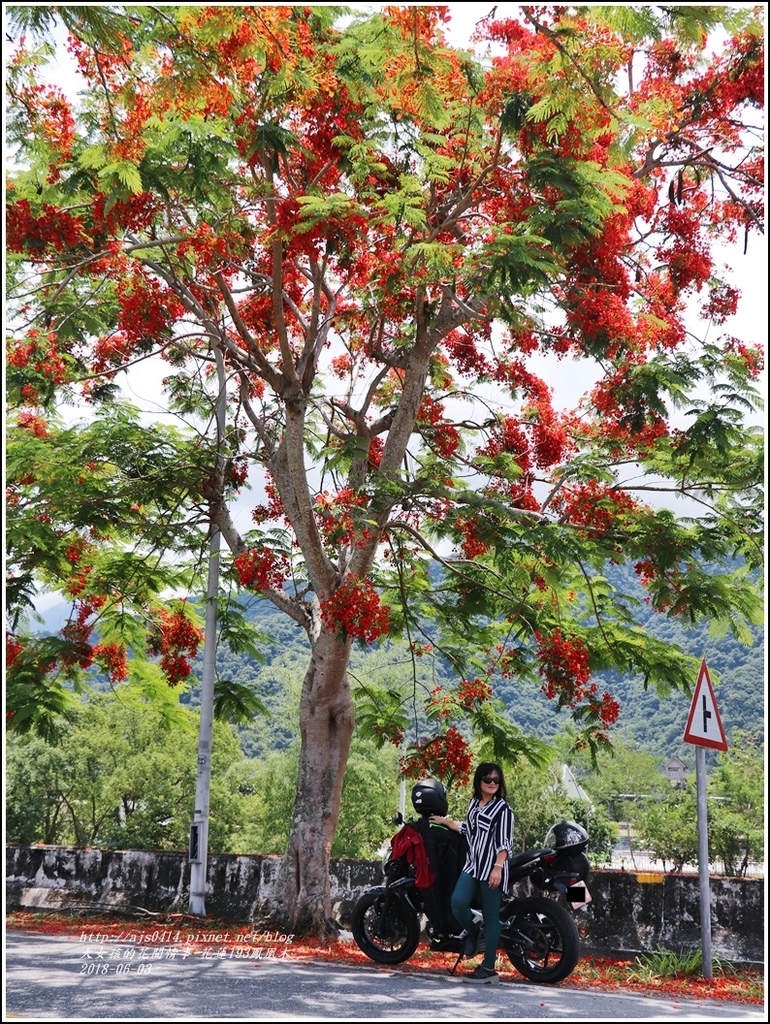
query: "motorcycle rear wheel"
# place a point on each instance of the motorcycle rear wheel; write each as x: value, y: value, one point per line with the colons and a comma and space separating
x: 386, y: 930
x: 540, y: 939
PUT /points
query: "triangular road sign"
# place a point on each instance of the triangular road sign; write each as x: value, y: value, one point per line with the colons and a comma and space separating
x: 704, y: 726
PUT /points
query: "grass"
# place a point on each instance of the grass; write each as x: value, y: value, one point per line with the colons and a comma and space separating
x: 660, y: 971
x: 667, y: 963
x: 673, y: 975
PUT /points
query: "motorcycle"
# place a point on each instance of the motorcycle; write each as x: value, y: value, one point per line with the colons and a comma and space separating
x: 538, y: 934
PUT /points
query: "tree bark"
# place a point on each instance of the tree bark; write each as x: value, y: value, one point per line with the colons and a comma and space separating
x: 327, y: 718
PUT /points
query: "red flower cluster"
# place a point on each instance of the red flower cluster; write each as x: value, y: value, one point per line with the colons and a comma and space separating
x: 13, y: 648
x: 689, y: 261
x: 236, y: 472
x: 50, y: 114
x: 596, y: 507
x: 108, y: 62
x: 566, y: 673
x: 341, y: 366
x: 112, y: 658
x: 208, y: 246
x: 472, y: 692
x: 722, y: 303
x: 376, y: 448
x: 146, y: 310
x: 54, y: 229
x: 610, y: 709
x: 439, y: 434
x: 38, y: 353
x: 77, y: 583
x: 667, y: 595
x: 110, y: 215
x: 446, y: 756
x: 36, y: 426
x: 753, y: 358
x: 471, y: 545
x: 111, y: 351
x: 335, y: 516
x: 176, y: 639
x: 273, y: 509
x: 447, y: 704
x: 509, y: 437
x: 439, y: 704
x: 564, y: 666
x: 389, y: 732
x: 354, y: 610
x: 647, y: 571
x: 78, y: 652
x: 262, y: 569
x: 462, y: 350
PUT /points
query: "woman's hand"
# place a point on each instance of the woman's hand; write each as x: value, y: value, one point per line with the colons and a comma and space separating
x: 436, y: 819
x: 496, y: 876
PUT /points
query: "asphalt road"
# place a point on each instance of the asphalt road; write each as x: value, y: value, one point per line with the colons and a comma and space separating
x: 52, y: 978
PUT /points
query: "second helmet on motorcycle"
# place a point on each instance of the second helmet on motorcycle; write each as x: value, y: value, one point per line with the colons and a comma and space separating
x: 567, y: 836
x: 429, y: 797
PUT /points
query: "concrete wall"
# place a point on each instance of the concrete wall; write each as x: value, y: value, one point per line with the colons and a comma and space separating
x: 629, y: 912
x: 637, y: 911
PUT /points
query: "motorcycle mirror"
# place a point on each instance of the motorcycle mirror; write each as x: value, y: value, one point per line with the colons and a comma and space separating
x: 397, y: 818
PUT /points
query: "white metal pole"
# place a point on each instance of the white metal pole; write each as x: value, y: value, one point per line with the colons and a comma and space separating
x: 199, y: 830
x: 200, y: 826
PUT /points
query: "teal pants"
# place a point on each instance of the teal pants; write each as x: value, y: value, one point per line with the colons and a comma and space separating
x: 467, y: 891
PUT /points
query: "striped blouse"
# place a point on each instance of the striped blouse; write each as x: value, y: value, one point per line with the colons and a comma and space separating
x: 488, y: 830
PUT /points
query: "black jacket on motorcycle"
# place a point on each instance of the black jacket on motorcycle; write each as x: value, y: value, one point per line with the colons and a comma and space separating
x: 446, y: 850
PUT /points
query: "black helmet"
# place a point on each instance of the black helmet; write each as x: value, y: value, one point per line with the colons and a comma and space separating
x: 429, y: 797
x: 567, y: 835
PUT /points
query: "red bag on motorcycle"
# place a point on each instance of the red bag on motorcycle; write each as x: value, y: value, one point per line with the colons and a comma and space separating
x: 407, y: 842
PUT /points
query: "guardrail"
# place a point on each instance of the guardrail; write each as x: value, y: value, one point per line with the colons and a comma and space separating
x: 635, y: 860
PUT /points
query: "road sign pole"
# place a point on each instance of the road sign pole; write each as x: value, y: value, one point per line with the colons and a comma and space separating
x: 704, y: 729
x: 703, y: 862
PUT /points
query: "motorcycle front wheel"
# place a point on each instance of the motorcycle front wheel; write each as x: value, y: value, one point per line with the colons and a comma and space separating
x: 384, y: 928
x: 540, y: 939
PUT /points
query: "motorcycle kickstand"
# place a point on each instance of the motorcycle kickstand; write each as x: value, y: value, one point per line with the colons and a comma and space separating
x: 457, y: 963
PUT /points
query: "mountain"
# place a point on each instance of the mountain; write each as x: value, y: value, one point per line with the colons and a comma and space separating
x: 648, y: 719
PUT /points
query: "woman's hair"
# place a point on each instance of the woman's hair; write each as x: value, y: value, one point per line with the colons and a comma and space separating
x: 489, y: 768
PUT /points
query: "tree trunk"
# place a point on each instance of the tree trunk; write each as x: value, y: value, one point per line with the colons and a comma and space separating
x: 327, y: 718
x: 302, y: 900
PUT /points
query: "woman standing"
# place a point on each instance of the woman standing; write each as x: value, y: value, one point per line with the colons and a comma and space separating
x: 488, y: 828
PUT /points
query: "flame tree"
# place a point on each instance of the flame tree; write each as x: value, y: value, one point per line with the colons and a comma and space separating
x: 389, y: 242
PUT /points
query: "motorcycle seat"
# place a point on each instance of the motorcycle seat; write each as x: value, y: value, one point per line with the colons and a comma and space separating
x: 525, y: 859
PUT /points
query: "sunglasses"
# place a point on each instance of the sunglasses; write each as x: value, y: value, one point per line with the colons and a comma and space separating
x: 491, y: 780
